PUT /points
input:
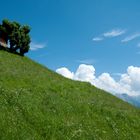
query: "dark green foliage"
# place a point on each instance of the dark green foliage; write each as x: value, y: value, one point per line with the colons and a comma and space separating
x: 38, y: 104
x: 17, y: 35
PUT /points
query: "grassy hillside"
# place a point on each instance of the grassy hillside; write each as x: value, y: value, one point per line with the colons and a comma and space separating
x: 38, y: 104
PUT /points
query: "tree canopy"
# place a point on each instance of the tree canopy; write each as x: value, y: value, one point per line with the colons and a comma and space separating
x: 17, y: 35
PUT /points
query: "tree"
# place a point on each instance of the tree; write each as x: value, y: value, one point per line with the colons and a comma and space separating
x: 4, y: 30
x: 25, y: 40
x: 17, y: 35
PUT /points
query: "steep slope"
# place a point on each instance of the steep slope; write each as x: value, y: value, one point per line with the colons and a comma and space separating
x: 36, y: 103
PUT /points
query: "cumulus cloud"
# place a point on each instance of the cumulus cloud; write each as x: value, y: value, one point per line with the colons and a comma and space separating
x: 106, y: 82
x: 114, y: 33
x: 85, y: 73
x: 131, y: 37
x: 134, y: 77
x: 36, y: 46
x: 128, y: 83
x: 65, y: 72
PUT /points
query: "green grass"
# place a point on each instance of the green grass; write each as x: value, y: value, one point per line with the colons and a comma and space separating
x: 38, y: 104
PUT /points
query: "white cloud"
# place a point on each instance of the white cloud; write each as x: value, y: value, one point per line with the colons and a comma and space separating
x: 65, y: 72
x: 114, y: 33
x: 109, y: 34
x: 97, y: 38
x: 85, y: 73
x: 132, y: 37
x: 36, y: 46
x: 106, y: 82
x: 134, y: 76
x: 128, y: 83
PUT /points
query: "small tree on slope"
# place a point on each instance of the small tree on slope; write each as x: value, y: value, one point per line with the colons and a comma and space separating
x: 17, y: 35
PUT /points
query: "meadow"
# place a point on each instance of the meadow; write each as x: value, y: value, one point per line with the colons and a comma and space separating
x: 38, y: 104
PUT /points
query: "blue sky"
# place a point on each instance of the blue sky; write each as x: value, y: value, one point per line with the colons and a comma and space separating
x: 103, y: 33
